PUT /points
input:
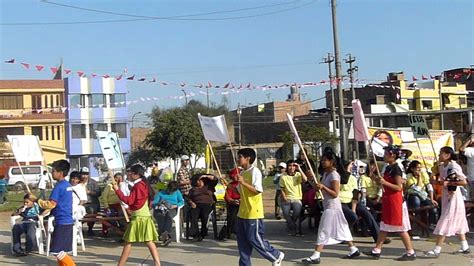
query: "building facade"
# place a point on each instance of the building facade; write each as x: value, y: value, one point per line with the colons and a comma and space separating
x: 33, y: 107
x: 94, y: 104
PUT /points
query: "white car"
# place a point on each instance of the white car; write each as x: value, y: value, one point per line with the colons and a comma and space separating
x: 31, y: 173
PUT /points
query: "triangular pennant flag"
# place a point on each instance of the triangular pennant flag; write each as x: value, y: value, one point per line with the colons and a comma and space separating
x: 209, y: 85
x: 423, y: 77
x: 432, y: 77
x: 164, y: 83
x: 25, y: 65
x: 142, y: 79
x: 11, y: 61
x: 153, y: 79
x: 63, y: 109
x: 67, y: 71
x: 54, y: 70
x: 182, y: 84
x: 131, y: 77
x: 226, y: 85
x: 322, y: 81
x: 118, y: 77
x: 414, y: 78
x: 248, y: 85
x: 106, y: 76
x: 39, y: 67
x: 94, y: 75
x: 80, y: 73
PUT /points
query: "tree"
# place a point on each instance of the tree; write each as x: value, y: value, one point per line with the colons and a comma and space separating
x: 287, y: 148
x: 317, y: 135
x: 177, y: 131
x: 140, y: 155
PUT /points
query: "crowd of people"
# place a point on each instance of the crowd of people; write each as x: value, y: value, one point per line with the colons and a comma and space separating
x: 337, y: 194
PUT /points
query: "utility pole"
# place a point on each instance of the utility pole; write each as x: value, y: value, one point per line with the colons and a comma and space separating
x: 440, y: 85
x: 239, y: 114
x: 328, y: 60
x: 207, y: 94
x: 351, y: 71
x: 342, y: 122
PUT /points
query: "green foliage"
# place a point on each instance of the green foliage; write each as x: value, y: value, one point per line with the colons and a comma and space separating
x: 177, y: 131
x: 140, y: 155
x: 287, y: 149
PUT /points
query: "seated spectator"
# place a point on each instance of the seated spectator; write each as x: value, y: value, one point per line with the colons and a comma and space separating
x: 371, y: 189
x: 29, y: 212
x: 232, y: 198
x: 200, y: 199
x: 112, y: 204
x: 93, y: 193
x: 292, y: 194
x: 310, y: 199
x: 165, y: 205
x: 79, y: 196
x: 419, y: 190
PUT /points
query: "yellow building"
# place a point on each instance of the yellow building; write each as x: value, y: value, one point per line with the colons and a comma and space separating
x: 426, y: 95
x: 33, y: 107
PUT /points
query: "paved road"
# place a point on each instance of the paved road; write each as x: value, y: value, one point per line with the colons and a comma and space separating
x: 101, y: 250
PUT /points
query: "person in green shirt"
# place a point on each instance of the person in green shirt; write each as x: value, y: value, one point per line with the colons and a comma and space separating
x: 292, y: 194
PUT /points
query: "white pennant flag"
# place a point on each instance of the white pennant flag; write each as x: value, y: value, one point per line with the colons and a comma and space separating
x: 214, y: 128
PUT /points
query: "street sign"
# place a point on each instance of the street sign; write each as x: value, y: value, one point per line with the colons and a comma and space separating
x: 419, y: 127
x: 109, y: 144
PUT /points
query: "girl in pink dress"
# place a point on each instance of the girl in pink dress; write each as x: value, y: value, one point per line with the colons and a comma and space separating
x: 453, y: 213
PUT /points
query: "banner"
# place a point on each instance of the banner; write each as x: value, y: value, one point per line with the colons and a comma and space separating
x: 26, y: 148
x: 109, y: 144
x: 214, y: 128
x: 359, y: 124
x: 418, y: 126
x: 293, y: 129
x: 406, y: 140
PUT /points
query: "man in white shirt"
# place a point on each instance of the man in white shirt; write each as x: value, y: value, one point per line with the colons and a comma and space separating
x: 468, y: 149
x: 42, y: 183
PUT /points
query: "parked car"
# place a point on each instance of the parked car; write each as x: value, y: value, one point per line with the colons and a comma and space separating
x: 31, y: 173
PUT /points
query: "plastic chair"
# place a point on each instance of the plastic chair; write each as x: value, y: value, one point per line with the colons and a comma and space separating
x: 177, y: 224
x: 76, y: 236
x: 38, y: 233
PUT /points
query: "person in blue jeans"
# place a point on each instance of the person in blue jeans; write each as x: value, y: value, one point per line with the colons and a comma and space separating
x: 29, y: 213
x: 3, y: 190
x: 165, y: 206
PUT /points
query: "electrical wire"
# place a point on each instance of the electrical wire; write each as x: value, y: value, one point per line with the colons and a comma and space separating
x: 155, y: 18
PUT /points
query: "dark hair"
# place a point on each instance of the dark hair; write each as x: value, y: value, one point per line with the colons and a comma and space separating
x: 379, y: 132
x: 118, y: 174
x: 74, y: 174
x: 395, y: 150
x: 137, y: 169
x: 30, y: 196
x: 248, y: 153
x: 450, y: 151
x: 413, y: 164
x: 338, y: 164
x: 289, y: 162
x: 172, y: 187
x: 45, y: 172
x: 62, y: 166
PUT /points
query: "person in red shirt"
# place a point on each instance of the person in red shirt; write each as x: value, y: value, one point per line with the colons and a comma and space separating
x: 141, y: 227
x: 232, y: 197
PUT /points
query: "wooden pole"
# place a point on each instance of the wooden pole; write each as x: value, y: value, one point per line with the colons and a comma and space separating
x: 214, y: 159
x: 123, y: 170
x: 421, y: 153
x: 23, y: 175
x: 310, y: 168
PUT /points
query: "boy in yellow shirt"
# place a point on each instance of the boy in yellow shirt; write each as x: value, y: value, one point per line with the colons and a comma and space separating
x: 249, y: 224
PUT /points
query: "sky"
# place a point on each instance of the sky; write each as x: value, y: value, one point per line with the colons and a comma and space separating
x: 241, y: 42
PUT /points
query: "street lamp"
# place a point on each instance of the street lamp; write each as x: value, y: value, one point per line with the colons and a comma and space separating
x: 239, y: 113
x: 185, y: 96
x: 133, y: 116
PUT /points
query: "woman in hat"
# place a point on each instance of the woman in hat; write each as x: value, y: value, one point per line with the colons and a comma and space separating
x: 394, y: 209
x: 453, y: 213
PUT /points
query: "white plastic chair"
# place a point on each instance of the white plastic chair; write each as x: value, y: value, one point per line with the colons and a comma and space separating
x: 39, y: 234
x: 177, y: 224
x: 76, y: 236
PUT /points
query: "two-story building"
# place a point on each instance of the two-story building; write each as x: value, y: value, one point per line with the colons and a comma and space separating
x: 33, y: 107
x: 94, y: 104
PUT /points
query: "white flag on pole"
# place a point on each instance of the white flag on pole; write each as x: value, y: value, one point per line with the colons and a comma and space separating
x: 109, y: 144
x: 293, y: 128
x: 26, y: 148
x: 214, y: 128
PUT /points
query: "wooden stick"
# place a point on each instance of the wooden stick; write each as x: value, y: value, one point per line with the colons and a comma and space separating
x: 310, y: 168
x: 214, y: 158
x: 23, y: 175
x: 375, y: 161
x: 421, y: 153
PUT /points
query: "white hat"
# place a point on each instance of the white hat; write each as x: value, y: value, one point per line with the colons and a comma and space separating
x: 184, y: 157
x: 85, y: 170
x: 282, y: 165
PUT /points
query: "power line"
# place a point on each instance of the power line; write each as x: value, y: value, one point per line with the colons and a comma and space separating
x: 183, y: 17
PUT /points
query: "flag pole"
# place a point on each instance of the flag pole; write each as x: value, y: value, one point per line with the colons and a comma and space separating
x: 215, y: 161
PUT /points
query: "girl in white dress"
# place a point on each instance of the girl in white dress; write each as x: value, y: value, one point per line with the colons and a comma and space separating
x: 333, y: 227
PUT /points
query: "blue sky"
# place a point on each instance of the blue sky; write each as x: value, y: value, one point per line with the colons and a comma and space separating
x: 418, y: 37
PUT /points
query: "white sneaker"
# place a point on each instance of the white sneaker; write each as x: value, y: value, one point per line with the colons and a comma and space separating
x: 279, y: 260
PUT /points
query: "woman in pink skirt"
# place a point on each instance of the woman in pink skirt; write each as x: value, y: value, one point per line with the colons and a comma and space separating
x: 453, y: 213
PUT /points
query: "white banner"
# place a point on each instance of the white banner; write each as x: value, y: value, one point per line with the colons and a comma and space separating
x: 26, y: 148
x: 214, y: 128
x: 109, y: 144
x: 293, y: 129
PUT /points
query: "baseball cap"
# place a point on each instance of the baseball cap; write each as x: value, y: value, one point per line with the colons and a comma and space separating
x: 184, y: 158
x: 84, y: 170
x: 282, y: 165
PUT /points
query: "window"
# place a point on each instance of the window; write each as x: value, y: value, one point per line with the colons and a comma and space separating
x: 38, y: 131
x: 462, y: 100
x: 115, y: 99
x: 10, y: 131
x: 78, y: 131
x: 58, y: 101
x: 58, y: 131
x: 9, y: 102
x: 411, y: 104
x: 75, y: 100
x: 120, y: 129
x: 86, y: 100
x: 36, y: 102
x: 98, y: 99
x: 94, y: 127
x: 427, y: 104
x: 46, y: 131
x: 380, y: 99
x: 27, y: 170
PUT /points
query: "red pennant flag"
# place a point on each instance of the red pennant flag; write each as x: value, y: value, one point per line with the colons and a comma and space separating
x: 322, y: 81
x: 106, y: 76
x: 118, y: 77
x: 39, y: 67
x: 80, y: 73
x: 182, y: 84
x: 164, y: 83
x: 142, y: 79
x: 432, y: 77
x: 226, y: 85
x: 153, y: 80
x: 423, y: 77
x: 249, y: 85
x: 67, y: 71
x: 131, y: 77
x: 209, y: 85
x: 11, y: 61
x: 94, y: 75
x: 414, y: 78
x: 54, y: 70
x: 25, y: 65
